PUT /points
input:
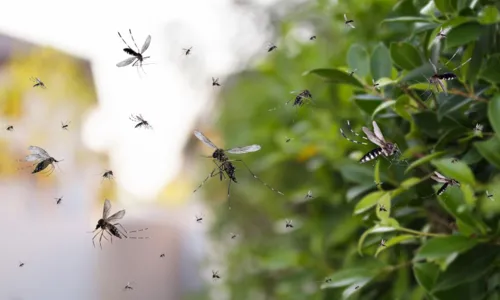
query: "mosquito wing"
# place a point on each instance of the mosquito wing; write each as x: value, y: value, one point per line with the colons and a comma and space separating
x: 439, y: 179
x: 106, y: 209
x: 146, y: 44
x: 246, y: 149
x: 126, y: 62
x: 378, y: 132
x: 372, y: 137
x: 345, y: 17
x: 439, y: 175
x: 204, y: 139
x: 116, y: 216
x: 33, y: 157
x: 37, y: 150
x: 351, y: 25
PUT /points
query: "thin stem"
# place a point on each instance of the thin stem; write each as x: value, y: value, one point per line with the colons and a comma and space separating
x: 470, y: 95
x: 419, y: 233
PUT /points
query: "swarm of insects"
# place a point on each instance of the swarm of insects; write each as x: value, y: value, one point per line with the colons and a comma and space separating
x: 224, y: 166
x: 215, y: 82
x: 447, y: 182
x: 187, y: 51
x: 38, y: 82
x: 288, y: 223
x: 301, y: 97
x: 140, y: 122
x: 65, y: 126
x: 215, y: 275
x: 42, y: 159
x: 348, y: 22
x: 385, y: 148
x: 138, y: 57
x: 10, y: 128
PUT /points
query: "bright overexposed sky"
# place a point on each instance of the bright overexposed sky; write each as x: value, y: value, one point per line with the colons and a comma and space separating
x: 175, y: 90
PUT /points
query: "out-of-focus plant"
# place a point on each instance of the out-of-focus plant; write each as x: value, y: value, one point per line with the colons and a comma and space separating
x: 437, y: 247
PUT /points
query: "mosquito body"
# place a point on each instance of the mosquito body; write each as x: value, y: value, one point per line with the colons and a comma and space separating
x: 140, y: 122
x: 215, y: 82
x: 38, y: 82
x: 105, y: 224
x: 58, y: 200
x: 271, y: 47
x: 234, y: 235
x: 215, y: 275
x: 10, y: 128
x: 479, y: 128
x: 442, y: 34
x: 490, y: 196
x: 376, y: 84
x: 21, y: 264
x: 382, y: 243
x: 301, y: 98
x: 108, y: 174
x: 128, y: 286
x: 65, y: 126
x: 162, y: 255
x: 309, y: 195
x: 187, y: 51
x: 352, y: 72
x: 382, y: 208
x: 385, y: 148
x: 42, y: 159
x: 312, y: 38
x: 138, y: 57
x: 447, y: 182
x: 288, y: 223
x: 199, y: 219
x: 224, y: 166
x: 288, y: 139
x: 454, y: 160
x: 348, y: 22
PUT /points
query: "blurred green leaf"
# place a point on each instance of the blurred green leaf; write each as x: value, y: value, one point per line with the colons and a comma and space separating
x: 395, y: 241
x: 405, y: 55
x: 457, y: 170
x: 369, y: 201
x: 491, y: 71
x: 426, y: 274
x: 452, y: 23
x: 442, y: 247
x: 489, y: 15
x: 374, y: 229
x: 400, y: 107
x: 445, y: 6
x: 383, y: 106
x: 424, y: 160
x: 358, y: 58
x: 380, y: 62
x: 489, y: 150
x: 336, y: 76
x: 351, y: 276
x: 368, y: 103
x: 463, y: 34
x: 494, y: 114
x: 405, y: 19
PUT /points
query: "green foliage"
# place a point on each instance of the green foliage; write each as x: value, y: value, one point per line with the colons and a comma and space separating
x: 437, y: 247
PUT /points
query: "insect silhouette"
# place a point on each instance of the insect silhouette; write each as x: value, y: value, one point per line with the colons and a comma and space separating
x: 38, y: 82
x: 479, y: 128
x: 348, y: 22
x: 21, y: 264
x: 140, y: 122
x: 225, y: 167
x: 357, y: 287
x: 454, y: 160
x: 309, y: 195
x: 65, y: 126
x: 162, y: 255
x: 199, y: 219
x: 385, y: 148
x: 490, y: 196
x: 378, y: 183
x: 382, y: 208
x: 10, y: 128
x: 215, y: 82
x: 441, y: 34
x: 312, y: 38
x: 138, y: 57
x: 105, y: 226
x: 271, y: 47
x: 58, y: 200
x: 376, y: 85
x: 128, y: 286
x: 437, y: 78
x: 382, y: 243
x: 234, y: 235
x: 447, y: 182
x: 108, y: 174
x: 215, y: 275
x: 288, y: 139
x: 301, y: 98
x: 288, y: 223
x: 42, y: 159
x: 352, y: 72
x: 187, y: 51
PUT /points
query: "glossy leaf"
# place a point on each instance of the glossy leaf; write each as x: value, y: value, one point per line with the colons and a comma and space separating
x: 358, y: 58
x: 405, y: 55
x: 336, y: 76
x: 489, y: 15
x: 382, y: 107
x: 457, y: 170
x: 491, y: 71
x: 405, y: 19
x: 494, y: 114
x: 463, y: 34
x: 442, y: 247
x: 395, y: 241
x: 368, y: 202
x: 426, y: 274
x: 445, y: 6
x: 424, y: 160
x: 489, y: 150
x: 380, y: 62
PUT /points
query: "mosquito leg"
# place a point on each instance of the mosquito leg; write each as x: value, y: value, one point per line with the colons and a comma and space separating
x: 353, y: 132
x: 124, y: 40
x: 228, y: 194
x: 130, y: 30
x: 212, y: 174
x: 118, y: 224
x: 255, y: 176
x: 93, y: 243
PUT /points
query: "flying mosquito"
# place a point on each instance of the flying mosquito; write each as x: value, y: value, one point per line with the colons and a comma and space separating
x: 382, y: 243
x: 442, y: 34
x: 301, y: 97
x: 128, y: 286
x: 271, y: 47
x: 38, y: 82
x: 288, y: 139
x: 42, y: 159
x: 162, y: 255
x: 382, y: 208
x: 58, y: 200
x: 385, y: 148
x: 309, y: 195
x: 490, y: 196
x: 187, y: 51
x: 447, y: 182
x: 10, y: 128
x: 215, y: 275
x: 437, y: 79
x: 454, y: 160
x: 352, y: 72
x: 215, y: 82
x: 65, y: 126
x: 376, y: 84
x: 21, y: 264
x: 312, y: 38
x: 105, y: 226
x: 234, y: 235
x: 224, y: 165
x: 108, y: 174
x: 138, y: 57
x: 140, y: 122
x: 348, y: 22
x: 288, y: 223
x: 199, y: 219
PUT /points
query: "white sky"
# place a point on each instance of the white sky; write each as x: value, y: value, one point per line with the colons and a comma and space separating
x: 172, y: 94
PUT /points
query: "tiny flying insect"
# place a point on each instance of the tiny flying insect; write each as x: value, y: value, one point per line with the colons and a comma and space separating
x: 479, y: 128
x: 59, y: 200
x: 301, y: 98
x: 271, y: 47
x: 162, y: 255
x: 376, y: 85
x: 288, y: 139
x: 378, y: 183
x: 309, y: 195
x: 128, y: 286
x: 38, y: 82
x: 105, y: 226
x: 10, y: 128
x: 490, y: 196
x: 382, y: 207
x: 437, y: 78
x: 65, y: 125
x: 326, y: 280
x: 42, y: 159
x: 288, y: 223
x: 187, y: 51
x: 348, y: 22
x: 385, y: 148
x: 447, y: 182
x: 108, y: 174
x: 138, y: 57
x: 215, y: 81
x: 312, y: 38
x: 225, y: 167
x: 21, y: 264
x: 454, y: 160
x: 442, y: 34
x: 352, y: 72
x: 199, y: 219
x: 382, y: 243
x: 357, y: 287
x: 140, y: 122
x: 234, y: 235
x: 215, y: 275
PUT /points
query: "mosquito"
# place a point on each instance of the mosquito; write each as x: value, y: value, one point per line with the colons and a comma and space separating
x: 105, y: 226
x: 309, y: 195
x: 301, y: 97
x: 10, y: 128
x: 348, y: 22
x: 288, y: 223
x: 65, y: 126
x: 490, y: 196
x: 447, y: 182
x: 128, y: 286
x: 437, y: 79
x: 382, y: 208
x: 21, y: 264
x: 199, y: 219
x: 385, y: 148
x: 215, y: 275
x: 326, y: 280
x: 376, y: 85
x: 42, y: 159
x: 352, y: 72
x: 58, y: 200
x: 108, y: 174
x: 162, y: 255
x: 224, y: 166
x: 382, y: 243
x: 312, y: 38
x: 271, y: 47
x: 215, y: 81
x: 187, y: 51
x: 141, y: 122
x: 138, y: 57
x: 234, y: 235
x: 38, y: 82
x: 442, y: 34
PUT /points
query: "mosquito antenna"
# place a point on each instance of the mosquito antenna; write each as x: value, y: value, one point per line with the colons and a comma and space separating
x: 123, y: 40
x: 453, y: 56
x: 256, y: 177
x: 462, y: 64
x: 138, y: 51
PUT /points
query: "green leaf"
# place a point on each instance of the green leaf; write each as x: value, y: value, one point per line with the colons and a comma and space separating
x: 491, y: 71
x: 380, y: 62
x: 494, y: 114
x: 454, y: 22
x: 368, y: 202
x: 463, y: 34
x: 457, y: 170
x: 442, y: 247
x: 489, y: 15
x: 349, y: 276
x: 489, y: 150
x: 383, y: 106
x: 475, y: 52
x: 384, y: 215
x: 358, y: 58
x: 405, y: 19
x: 424, y: 160
x: 394, y: 241
x: 405, y: 55
x: 400, y: 107
x: 375, y: 229
x: 336, y: 76
x: 445, y: 6
x: 426, y: 274
x: 368, y: 103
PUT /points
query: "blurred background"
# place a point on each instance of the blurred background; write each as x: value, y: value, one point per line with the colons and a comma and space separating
x: 73, y: 48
